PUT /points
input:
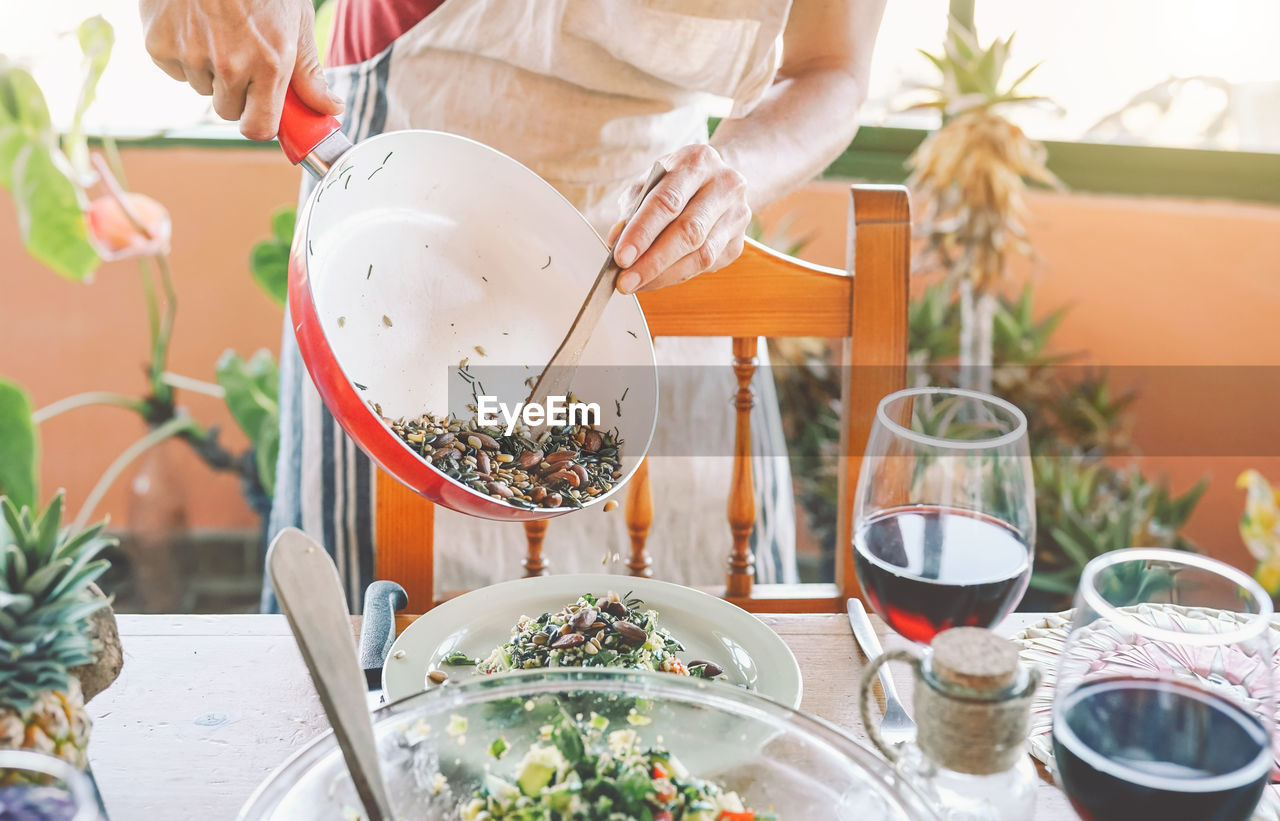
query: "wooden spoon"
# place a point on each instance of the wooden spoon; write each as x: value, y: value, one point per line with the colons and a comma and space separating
x: 555, y: 379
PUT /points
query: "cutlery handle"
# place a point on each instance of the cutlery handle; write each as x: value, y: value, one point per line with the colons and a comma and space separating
x: 310, y: 594
x: 378, y: 628
x: 866, y: 636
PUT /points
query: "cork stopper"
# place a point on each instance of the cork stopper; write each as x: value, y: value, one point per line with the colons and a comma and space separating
x: 974, y: 659
x: 975, y: 706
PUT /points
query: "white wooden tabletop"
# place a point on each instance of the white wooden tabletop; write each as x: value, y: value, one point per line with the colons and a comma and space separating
x: 208, y: 706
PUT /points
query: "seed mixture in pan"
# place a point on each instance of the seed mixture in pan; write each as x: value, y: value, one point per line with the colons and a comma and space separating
x: 567, y: 465
x: 613, y: 631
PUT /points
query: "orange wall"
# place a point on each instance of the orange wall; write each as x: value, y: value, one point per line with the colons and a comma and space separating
x: 1152, y: 282
x: 60, y: 337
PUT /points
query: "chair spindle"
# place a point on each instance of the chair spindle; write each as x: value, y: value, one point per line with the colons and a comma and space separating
x: 639, y: 519
x: 534, y: 563
x: 742, y: 503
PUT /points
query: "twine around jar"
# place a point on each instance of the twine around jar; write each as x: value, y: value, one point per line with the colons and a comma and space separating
x: 960, y: 724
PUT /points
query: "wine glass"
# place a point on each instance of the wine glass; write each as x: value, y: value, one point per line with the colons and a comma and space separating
x: 40, y: 787
x: 944, y: 518
x: 1164, y: 701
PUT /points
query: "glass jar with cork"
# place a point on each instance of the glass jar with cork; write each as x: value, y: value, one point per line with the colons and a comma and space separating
x: 972, y: 700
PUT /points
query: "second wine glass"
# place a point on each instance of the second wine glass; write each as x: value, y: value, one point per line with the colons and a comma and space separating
x: 944, y: 515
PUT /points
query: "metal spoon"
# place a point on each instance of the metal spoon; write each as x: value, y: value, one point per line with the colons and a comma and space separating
x: 306, y: 583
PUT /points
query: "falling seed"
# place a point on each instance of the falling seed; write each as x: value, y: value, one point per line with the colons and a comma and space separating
x: 610, y: 505
x: 386, y: 320
x: 544, y: 267
x: 342, y: 321
x: 480, y: 350
x: 463, y: 364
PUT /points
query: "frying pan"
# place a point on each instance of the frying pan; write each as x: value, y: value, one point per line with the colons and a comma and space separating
x: 420, y: 251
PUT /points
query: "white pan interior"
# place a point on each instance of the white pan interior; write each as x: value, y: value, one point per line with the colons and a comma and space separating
x: 425, y: 249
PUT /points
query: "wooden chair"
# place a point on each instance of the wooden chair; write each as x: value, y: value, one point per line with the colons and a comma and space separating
x: 767, y: 294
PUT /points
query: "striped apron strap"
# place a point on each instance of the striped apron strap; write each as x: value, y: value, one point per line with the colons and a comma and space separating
x: 325, y: 485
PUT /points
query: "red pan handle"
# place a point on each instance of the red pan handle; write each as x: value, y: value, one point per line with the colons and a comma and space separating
x: 302, y: 128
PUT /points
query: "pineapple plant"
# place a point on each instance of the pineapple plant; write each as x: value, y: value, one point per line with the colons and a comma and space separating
x: 46, y: 610
x: 970, y: 176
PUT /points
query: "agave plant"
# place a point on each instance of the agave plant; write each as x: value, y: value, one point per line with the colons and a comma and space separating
x: 970, y: 176
x: 1086, y: 508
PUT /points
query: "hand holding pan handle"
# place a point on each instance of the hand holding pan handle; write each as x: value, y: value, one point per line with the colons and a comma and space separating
x: 310, y: 139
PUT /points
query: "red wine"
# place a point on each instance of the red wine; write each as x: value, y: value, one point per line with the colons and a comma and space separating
x: 926, y: 568
x: 1147, y: 748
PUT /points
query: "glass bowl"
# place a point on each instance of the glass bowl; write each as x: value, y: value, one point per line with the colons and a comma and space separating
x: 39, y: 787
x: 434, y: 748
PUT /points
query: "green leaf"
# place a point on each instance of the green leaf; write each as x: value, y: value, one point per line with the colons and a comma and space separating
x: 252, y: 390
x: 1061, y: 582
x: 269, y: 259
x: 1077, y: 552
x: 937, y: 61
x: 96, y: 39
x: 19, y: 448
x: 266, y: 449
x: 1023, y: 76
x: 42, y: 578
x: 282, y: 223
x: 50, y: 522
x: 269, y: 266
x: 569, y: 741
x: 53, y: 225
x: 24, y: 117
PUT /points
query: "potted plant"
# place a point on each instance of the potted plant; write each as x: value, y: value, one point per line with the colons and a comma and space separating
x: 53, y: 178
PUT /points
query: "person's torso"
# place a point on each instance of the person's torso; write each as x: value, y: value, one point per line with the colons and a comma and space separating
x: 586, y: 93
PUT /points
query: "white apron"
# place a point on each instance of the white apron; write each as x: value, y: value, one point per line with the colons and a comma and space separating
x: 587, y: 94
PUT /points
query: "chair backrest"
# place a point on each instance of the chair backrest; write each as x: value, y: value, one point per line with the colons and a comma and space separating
x: 762, y: 294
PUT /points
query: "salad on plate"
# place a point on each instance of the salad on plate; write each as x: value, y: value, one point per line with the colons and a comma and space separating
x: 594, y: 631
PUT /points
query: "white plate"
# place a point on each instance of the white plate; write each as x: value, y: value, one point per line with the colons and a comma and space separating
x: 710, y: 628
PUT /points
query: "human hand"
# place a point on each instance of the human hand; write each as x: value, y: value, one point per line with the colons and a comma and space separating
x: 243, y: 53
x: 694, y: 220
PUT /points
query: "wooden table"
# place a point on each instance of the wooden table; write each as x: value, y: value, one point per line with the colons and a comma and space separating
x: 208, y: 706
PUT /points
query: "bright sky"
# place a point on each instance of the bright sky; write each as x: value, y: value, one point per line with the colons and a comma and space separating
x: 1097, y: 54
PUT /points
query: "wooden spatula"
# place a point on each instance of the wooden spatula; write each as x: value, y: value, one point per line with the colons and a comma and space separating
x: 556, y: 378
